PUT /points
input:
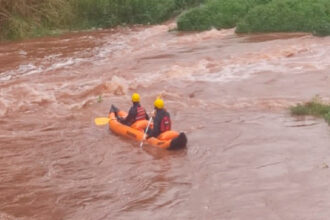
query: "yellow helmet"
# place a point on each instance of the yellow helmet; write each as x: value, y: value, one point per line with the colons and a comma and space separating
x: 159, y: 103
x: 135, y: 97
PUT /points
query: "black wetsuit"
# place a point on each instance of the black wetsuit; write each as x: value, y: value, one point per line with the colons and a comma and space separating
x: 162, y: 123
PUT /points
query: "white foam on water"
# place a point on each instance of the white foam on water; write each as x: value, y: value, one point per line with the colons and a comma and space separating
x: 110, y: 49
x: 5, y: 77
x: 203, y: 36
x: 64, y: 63
x: 233, y: 72
x: 31, y: 69
x: 24, y: 96
x: 22, y: 52
x: 26, y: 68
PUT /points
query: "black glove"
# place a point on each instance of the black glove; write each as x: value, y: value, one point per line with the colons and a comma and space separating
x: 111, y: 109
x: 119, y: 118
x: 114, y: 109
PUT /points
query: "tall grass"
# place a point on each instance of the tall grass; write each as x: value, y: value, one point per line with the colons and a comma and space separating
x: 113, y: 12
x: 29, y: 18
x: 23, y: 18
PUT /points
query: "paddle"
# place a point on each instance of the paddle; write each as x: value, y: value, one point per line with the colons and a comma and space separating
x: 105, y: 120
x: 145, y: 133
x: 101, y: 121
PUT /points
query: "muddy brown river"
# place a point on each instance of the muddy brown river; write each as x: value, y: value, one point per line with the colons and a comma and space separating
x: 246, y: 158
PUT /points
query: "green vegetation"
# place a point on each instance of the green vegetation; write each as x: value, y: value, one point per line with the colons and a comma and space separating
x: 22, y: 18
x: 288, y: 16
x: 315, y: 108
x: 99, y: 99
x: 216, y: 13
x: 260, y: 16
x: 30, y: 18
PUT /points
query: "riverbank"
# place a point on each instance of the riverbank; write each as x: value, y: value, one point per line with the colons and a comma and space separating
x: 20, y: 20
x: 255, y: 16
x: 26, y: 19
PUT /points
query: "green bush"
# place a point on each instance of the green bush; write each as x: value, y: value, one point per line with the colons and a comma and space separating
x: 314, y: 108
x: 260, y: 16
x: 180, y: 4
x: 216, y: 13
x: 195, y: 19
x: 311, y: 108
x: 288, y: 16
x: 327, y: 117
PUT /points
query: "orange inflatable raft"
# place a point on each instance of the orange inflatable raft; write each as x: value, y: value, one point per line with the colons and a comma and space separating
x: 170, y: 140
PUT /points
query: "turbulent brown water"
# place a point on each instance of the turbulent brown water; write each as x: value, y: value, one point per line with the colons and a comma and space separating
x: 246, y: 158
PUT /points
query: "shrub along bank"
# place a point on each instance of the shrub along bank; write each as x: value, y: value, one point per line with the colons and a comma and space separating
x: 288, y: 16
x: 216, y: 14
x: 260, y: 16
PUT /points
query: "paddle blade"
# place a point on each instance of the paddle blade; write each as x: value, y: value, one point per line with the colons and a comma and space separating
x: 101, y: 121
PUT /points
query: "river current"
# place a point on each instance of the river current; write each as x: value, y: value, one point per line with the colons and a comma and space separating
x: 246, y: 158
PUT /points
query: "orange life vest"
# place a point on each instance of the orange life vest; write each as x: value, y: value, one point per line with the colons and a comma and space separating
x: 140, y: 113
